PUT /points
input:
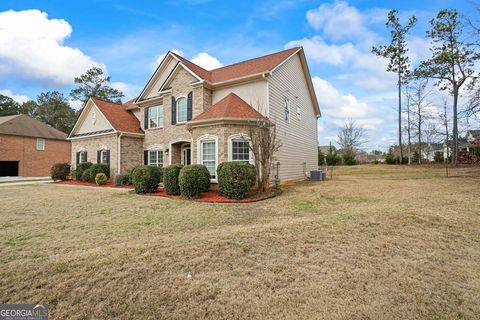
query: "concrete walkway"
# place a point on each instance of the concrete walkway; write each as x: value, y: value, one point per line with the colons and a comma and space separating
x: 8, y: 181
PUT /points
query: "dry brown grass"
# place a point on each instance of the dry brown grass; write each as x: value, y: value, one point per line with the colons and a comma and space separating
x: 377, y: 242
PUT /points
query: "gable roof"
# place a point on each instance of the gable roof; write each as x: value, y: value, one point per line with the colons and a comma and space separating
x: 230, y: 107
x: 23, y: 125
x: 117, y: 115
x: 241, y: 69
x: 475, y: 134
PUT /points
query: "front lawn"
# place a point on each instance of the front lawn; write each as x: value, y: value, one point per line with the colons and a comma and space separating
x: 379, y: 242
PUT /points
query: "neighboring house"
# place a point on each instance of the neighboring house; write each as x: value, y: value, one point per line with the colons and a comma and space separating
x: 186, y: 114
x: 29, y: 147
x: 326, y: 149
x: 429, y: 151
x: 473, y: 136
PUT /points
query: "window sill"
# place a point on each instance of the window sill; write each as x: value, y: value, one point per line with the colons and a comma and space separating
x: 181, y: 123
x: 154, y: 129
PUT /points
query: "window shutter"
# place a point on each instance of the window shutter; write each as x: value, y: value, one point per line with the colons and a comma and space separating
x: 108, y: 157
x: 99, y: 156
x: 86, y: 156
x: 145, y: 123
x: 78, y: 157
x: 145, y: 157
x: 189, y: 105
x: 174, y: 111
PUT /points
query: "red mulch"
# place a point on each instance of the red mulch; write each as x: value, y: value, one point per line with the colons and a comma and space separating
x: 110, y: 184
x: 211, y: 196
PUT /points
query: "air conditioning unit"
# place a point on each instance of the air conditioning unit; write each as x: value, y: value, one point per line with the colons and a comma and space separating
x: 316, y: 175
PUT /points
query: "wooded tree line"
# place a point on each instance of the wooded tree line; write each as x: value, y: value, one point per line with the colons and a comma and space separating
x: 53, y: 107
x: 451, y: 69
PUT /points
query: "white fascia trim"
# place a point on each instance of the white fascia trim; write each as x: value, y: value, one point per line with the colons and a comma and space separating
x: 94, y: 135
x: 169, y: 54
x: 284, y: 61
x: 174, y: 71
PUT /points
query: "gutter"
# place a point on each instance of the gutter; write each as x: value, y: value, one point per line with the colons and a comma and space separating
x: 118, y: 152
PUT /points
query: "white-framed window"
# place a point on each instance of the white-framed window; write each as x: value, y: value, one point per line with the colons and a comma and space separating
x: 40, y: 144
x: 208, y: 151
x: 240, y: 150
x: 287, y: 109
x: 181, y: 110
x: 82, y: 157
x: 155, y: 117
x: 155, y: 158
x: 104, y: 156
x: 299, y: 113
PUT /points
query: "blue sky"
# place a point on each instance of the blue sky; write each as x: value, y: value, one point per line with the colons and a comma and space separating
x: 44, y: 44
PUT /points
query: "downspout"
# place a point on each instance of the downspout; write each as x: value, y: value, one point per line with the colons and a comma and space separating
x: 118, y: 152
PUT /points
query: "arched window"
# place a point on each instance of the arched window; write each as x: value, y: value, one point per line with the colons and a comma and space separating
x: 182, y: 109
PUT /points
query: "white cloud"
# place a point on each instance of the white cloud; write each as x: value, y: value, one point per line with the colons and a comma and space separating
x: 32, y: 46
x: 159, y: 58
x: 20, y: 98
x: 129, y: 90
x: 317, y: 50
x: 206, y: 61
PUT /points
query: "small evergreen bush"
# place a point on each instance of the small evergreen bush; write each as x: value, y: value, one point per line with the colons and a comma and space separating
x: 349, y: 159
x: 438, y: 157
x: 121, y: 180
x: 146, y: 178
x: 235, y: 179
x: 87, y: 176
x: 391, y: 159
x: 101, y: 179
x: 170, y: 178
x: 81, y: 167
x: 193, y: 180
x: 60, y: 171
x: 99, y: 168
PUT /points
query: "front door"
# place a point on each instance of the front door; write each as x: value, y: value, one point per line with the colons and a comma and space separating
x: 186, y: 156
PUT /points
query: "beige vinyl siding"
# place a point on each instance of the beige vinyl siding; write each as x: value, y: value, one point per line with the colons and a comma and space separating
x: 253, y: 93
x: 299, y: 138
x: 159, y: 78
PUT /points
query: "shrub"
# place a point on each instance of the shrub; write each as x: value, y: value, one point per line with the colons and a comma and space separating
x: 321, y: 157
x: 121, y: 180
x: 235, y: 179
x: 438, y: 157
x: 130, y: 172
x: 60, y: 171
x: 193, y: 180
x: 101, y: 179
x: 391, y: 159
x: 87, y: 175
x: 170, y: 178
x: 375, y: 161
x: 81, y: 167
x: 332, y: 159
x: 99, y: 168
x: 146, y: 178
x: 349, y: 159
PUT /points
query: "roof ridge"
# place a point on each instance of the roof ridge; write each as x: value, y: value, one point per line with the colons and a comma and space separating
x: 264, y: 56
x: 104, y: 100
x: 209, y: 71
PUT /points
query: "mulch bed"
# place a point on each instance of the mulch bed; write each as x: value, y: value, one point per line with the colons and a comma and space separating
x: 211, y: 196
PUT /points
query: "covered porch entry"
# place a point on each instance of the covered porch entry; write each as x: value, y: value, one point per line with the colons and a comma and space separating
x: 181, y: 152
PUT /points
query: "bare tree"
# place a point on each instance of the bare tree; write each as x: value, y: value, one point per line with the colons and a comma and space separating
x: 409, y: 126
x: 351, y: 137
x: 444, y: 118
x: 263, y: 144
x: 418, y: 95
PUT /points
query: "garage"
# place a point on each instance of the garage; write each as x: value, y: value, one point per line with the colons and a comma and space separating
x: 8, y: 168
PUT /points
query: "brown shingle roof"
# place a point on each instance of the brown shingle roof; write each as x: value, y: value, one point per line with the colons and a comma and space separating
x: 23, y: 125
x: 245, y: 68
x: 120, y: 118
x: 231, y: 107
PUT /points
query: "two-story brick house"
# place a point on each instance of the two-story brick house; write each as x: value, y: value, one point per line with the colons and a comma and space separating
x: 186, y: 114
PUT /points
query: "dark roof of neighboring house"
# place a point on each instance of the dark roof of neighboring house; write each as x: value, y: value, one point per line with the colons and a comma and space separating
x: 120, y: 118
x: 245, y: 68
x: 23, y: 125
x: 231, y: 107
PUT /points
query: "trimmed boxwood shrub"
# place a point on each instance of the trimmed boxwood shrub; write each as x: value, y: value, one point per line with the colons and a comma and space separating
x: 235, y: 179
x: 193, y: 180
x: 130, y: 173
x: 146, y: 179
x: 99, y: 168
x: 60, y: 171
x: 87, y: 175
x: 81, y: 167
x: 170, y: 178
x: 121, y: 180
x: 101, y: 179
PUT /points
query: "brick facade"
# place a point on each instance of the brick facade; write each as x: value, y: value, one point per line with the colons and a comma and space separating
x: 33, y: 162
x: 131, y: 153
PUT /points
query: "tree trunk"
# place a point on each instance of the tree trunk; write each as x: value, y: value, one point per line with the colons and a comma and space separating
x: 409, y: 132
x: 400, y: 116
x: 455, y: 126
